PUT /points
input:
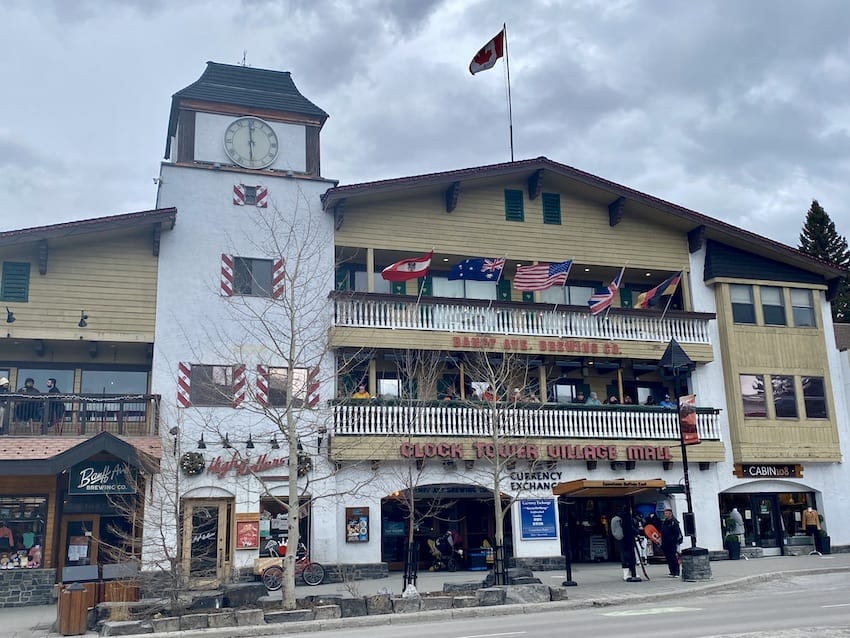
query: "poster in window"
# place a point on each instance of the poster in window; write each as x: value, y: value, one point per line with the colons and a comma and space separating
x: 688, y: 419
x: 356, y: 524
x: 247, y: 531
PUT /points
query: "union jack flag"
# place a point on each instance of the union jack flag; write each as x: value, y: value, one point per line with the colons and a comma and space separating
x: 603, y: 297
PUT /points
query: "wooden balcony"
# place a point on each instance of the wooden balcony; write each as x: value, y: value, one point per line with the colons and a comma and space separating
x: 362, y: 310
x: 80, y: 415
x: 529, y: 421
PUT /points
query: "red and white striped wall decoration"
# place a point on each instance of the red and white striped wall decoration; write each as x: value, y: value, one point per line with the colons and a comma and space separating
x: 226, y: 275
x: 261, y: 195
x: 262, y: 385
x: 313, y: 387
x: 278, y: 279
x: 240, y: 385
x: 184, y: 384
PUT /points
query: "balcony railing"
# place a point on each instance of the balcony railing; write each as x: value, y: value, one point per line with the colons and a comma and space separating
x: 79, y: 415
x: 546, y: 421
x: 469, y: 316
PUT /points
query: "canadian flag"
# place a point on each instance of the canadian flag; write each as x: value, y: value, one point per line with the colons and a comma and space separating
x: 489, y: 53
x: 407, y: 268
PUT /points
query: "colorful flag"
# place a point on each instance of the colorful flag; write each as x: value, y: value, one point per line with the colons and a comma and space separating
x: 652, y: 297
x: 488, y: 54
x: 603, y: 297
x: 542, y: 276
x: 688, y: 419
x: 478, y: 269
x: 407, y: 268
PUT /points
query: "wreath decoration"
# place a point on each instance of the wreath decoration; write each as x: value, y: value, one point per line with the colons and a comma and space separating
x: 193, y: 463
x: 305, y: 464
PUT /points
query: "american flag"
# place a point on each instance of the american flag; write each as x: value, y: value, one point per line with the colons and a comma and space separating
x: 542, y: 276
x: 603, y: 297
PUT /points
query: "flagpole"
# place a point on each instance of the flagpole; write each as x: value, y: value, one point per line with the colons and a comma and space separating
x: 422, y: 287
x: 510, y: 109
x: 498, y: 279
x: 670, y: 296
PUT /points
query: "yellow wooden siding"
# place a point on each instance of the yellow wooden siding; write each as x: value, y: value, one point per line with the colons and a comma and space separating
x: 478, y: 227
x: 774, y: 350
x: 112, y: 276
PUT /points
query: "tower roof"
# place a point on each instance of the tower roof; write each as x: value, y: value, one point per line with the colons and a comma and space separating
x: 244, y: 86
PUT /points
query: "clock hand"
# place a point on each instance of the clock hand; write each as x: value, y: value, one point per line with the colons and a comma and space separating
x: 251, y: 139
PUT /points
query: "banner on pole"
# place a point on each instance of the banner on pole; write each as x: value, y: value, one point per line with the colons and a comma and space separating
x: 688, y: 419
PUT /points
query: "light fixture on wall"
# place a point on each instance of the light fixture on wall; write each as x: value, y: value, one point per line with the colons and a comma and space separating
x: 449, y: 464
x: 704, y: 466
x: 201, y: 443
x: 667, y: 465
x: 420, y: 463
x: 10, y: 316
x: 226, y: 442
x: 591, y: 465
x: 469, y: 463
x: 39, y: 348
x: 275, y: 445
x: 375, y: 464
x: 249, y: 444
x: 83, y: 316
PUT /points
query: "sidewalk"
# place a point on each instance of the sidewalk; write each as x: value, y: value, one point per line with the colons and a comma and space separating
x: 596, y: 584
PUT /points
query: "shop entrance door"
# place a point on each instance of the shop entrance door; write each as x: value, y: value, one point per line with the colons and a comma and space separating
x: 768, y: 524
x: 207, y: 542
x: 78, y: 547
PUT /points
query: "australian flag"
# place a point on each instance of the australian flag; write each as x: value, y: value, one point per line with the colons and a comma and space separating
x: 478, y: 269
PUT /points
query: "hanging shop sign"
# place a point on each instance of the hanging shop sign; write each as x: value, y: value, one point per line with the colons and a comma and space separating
x: 744, y: 470
x: 537, y: 519
x: 101, y: 477
x: 575, y: 346
x: 221, y: 467
x: 553, y: 452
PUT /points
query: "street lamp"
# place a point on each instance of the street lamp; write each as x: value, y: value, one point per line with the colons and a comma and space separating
x: 674, y: 363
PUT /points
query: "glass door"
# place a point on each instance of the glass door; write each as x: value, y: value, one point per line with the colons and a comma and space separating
x: 206, y: 541
x: 78, y: 547
x: 768, y: 527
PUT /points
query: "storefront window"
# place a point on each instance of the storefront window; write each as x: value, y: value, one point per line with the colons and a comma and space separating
x: 752, y: 395
x: 22, y: 531
x: 64, y: 378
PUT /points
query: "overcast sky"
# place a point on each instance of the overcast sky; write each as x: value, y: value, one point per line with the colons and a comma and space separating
x: 739, y: 110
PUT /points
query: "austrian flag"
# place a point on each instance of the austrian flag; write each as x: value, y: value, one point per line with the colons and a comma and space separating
x: 488, y: 54
x: 407, y: 268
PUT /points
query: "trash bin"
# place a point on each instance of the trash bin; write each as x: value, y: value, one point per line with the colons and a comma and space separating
x: 72, y: 610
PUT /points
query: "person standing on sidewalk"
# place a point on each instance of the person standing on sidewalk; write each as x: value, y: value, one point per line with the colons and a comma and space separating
x: 623, y: 529
x: 671, y: 538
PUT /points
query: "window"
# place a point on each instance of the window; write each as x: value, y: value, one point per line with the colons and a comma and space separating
x: 752, y: 396
x: 802, y: 307
x: 772, y: 305
x: 514, y: 211
x: 379, y: 284
x: 250, y: 195
x: 112, y: 382
x: 551, y: 208
x: 563, y: 393
x: 570, y: 295
x: 211, y: 385
x: 461, y: 289
x: 784, y: 396
x: 814, y: 397
x: 388, y: 388
x: 252, y: 277
x: 278, y: 385
x: 64, y: 379
x: 15, y: 282
x: 743, y: 309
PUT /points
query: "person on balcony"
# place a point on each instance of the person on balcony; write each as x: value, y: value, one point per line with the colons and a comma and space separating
x: 489, y: 394
x: 627, y: 400
x: 593, y: 399
x: 579, y: 398
x: 450, y: 394
x: 28, y: 410
x: 613, y: 400
x: 650, y: 400
x: 666, y: 402
x: 55, y: 409
x: 361, y: 393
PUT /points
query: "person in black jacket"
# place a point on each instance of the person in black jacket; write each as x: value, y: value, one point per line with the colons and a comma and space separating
x: 55, y: 409
x: 671, y: 538
x: 627, y: 546
x: 28, y: 410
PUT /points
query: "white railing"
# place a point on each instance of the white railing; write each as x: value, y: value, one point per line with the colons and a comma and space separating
x: 361, y: 312
x: 542, y: 421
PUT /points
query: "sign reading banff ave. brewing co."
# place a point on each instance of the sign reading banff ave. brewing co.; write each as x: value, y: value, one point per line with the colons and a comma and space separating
x: 101, y: 477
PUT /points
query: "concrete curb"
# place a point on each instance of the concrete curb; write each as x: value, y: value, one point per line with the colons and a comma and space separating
x: 474, y: 612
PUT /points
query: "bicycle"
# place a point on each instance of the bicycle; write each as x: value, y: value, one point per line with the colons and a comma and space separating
x: 270, y: 569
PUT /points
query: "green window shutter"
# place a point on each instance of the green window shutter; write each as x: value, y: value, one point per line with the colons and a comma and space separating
x: 625, y: 297
x: 528, y: 297
x: 513, y: 206
x: 551, y: 208
x: 503, y: 290
x: 427, y: 287
x: 343, y: 279
x: 399, y: 288
x: 15, y: 285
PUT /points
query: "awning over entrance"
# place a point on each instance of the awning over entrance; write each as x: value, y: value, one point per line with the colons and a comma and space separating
x: 614, y: 487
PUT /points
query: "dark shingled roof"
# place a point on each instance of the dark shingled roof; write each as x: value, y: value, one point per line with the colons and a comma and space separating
x: 244, y: 86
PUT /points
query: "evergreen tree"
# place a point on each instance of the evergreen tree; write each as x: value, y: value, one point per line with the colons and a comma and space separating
x: 820, y: 239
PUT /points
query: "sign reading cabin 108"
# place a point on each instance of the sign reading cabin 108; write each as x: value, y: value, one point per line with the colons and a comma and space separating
x: 101, y: 477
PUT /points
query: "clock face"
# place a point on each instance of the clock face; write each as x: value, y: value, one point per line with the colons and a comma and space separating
x: 251, y: 143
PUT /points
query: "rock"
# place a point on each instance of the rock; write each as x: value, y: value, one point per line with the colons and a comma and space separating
x: 462, y: 602
x: 126, y: 628
x: 242, y: 594
x: 193, y: 621
x: 491, y: 596
x: 430, y: 603
x: 351, y: 607
x: 327, y: 612
x: 558, y: 593
x: 165, y: 625
x: 405, y: 605
x: 249, y: 617
x: 512, y: 574
x: 531, y: 593
x: 379, y: 604
x: 222, y: 619
x: 216, y: 601
x: 526, y: 580
x: 453, y: 588
x: 295, y: 615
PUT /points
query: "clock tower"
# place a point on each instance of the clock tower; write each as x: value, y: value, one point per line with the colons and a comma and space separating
x: 251, y: 254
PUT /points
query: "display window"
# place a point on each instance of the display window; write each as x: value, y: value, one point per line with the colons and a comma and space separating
x: 22, y: 531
